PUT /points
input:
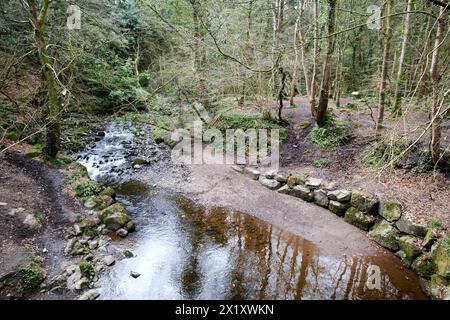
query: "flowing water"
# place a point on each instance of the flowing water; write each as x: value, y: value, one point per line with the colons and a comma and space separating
x: 184, y: 251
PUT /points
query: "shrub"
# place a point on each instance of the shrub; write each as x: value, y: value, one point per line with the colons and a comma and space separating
x: 87, y: 270
x: 385, y: 151
x: 87, y: 189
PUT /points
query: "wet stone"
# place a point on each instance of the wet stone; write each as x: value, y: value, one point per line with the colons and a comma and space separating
x: 385, y: 235
x: 338, y: 208
x: 340, y: 195
x: 321, y: 198
x: 364, y: 202
x: 313, y: 183
x: 359, y: 219
x: 284, y: 190
x: 303, y: 193
x: 410, y: 227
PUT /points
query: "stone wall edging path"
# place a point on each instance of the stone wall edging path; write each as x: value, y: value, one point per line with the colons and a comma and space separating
x: 420, y: 247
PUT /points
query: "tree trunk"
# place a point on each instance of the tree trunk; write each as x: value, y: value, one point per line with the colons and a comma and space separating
x: 397, y: 109
x: 436, y: 150
x: 53, y: 111
x: 280, y: 93
x: 315, y: 55
x: 325, y: 85
x: 384, y: 68
x: 200, y: 17
x: 299, y: 48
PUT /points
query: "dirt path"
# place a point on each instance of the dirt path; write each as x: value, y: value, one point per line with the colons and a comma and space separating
x: 28, y: 186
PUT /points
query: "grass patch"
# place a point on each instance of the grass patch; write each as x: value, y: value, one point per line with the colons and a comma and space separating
x: 386, y: 150
x: 434, y: 224
x: 332, y: 135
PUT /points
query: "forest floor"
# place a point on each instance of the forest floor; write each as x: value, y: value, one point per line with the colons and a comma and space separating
x: 425, y: 196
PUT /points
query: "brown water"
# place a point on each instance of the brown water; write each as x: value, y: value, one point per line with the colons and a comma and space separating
x: 186, y: 252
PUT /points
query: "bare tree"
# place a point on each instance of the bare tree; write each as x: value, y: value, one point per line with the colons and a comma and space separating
x: 397, y: 109
x: 325, y: 85
x: 435, y: 78
x: 384, y: 67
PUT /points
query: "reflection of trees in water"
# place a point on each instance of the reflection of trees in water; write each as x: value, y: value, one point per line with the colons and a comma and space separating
x: 267, y: 263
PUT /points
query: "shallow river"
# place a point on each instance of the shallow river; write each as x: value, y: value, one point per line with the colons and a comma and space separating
x: 184, y: 251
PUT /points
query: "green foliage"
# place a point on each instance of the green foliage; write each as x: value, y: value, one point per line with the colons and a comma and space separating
x: 87, y: 189
x: 35, y: 151
x: 385, y: 151
x: 434, y: 224
x: 87, y: 270
x: 33, y: 274
x: 322, y: 163
x: 332, y: 134
x: 245, y: 121
x: 425, y: 164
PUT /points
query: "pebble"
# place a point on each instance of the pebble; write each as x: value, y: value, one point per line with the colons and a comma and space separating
x: 3, y: 204
x: 135, y: 274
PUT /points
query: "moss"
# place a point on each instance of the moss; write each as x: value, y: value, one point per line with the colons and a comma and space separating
x: 108, y: 191
x: 295, y: 181
x: 441, y: 256
x: 424, y: 265
x: 35, y: 151
x: 87, y: 270
x: 364, y: 202
x: 359, y: 219
x: 303, y: 125
x: 391, y: 211
x: 409, y: 248
x: 13, y: 135
x: 434, y: 224
x: 385, y: 235
x: 33, y: 273
x: 332, y: 134
x: 128, y: 254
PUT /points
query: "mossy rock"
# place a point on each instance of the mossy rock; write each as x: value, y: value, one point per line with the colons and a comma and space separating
x: 424, y: 265
x: 391, y: 210
x: 99, y: 202
x: 430, y: 238
x: 439, y: 288
x: 408, y: 245
x: 385, y: 235
x: 293, y: 181
x: 128, y: 254
x: 338, y: 208
x: 364, y: 202
x: 140, y: 161
x: 79, y: 248
x: 114, y: 217
x: 108, y: 191
x: 441, y: 256
x: 359, y: 219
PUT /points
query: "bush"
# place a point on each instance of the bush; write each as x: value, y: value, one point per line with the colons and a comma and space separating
x: 87, y: 270
x: 87, y: 189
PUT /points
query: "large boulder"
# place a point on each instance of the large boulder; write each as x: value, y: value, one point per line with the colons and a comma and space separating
x: 303, y: 193
x: 269, y: 183
x: 441, y: 257
x: 359, y: 219
x: 321, y: 198
x: 385, y: 235
x: 340, y: 195
x: 391, y: 210
x: 364, y: 202
x: 424, y: 265
x: 338, y: 208
x: 406, y: 225
x: 114, y: 217
x: 409, y: 248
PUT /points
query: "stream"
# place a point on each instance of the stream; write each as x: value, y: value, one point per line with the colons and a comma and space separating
x: 185, y: 251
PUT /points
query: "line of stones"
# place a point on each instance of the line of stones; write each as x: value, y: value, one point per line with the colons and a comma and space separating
x: 420, y: 247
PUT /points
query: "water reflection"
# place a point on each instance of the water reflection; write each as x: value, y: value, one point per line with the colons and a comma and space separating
x: 185, y: 252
